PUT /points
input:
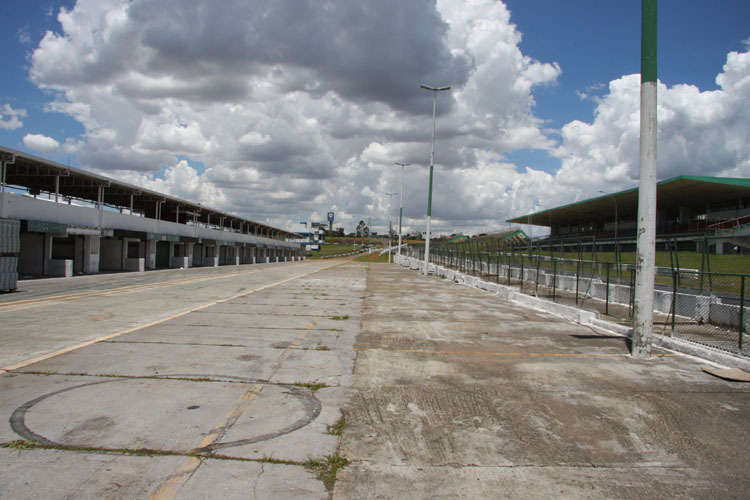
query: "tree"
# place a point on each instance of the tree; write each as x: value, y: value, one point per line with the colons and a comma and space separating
x: 362, y: 230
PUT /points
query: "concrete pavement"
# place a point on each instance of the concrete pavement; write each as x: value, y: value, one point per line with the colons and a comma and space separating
x: 460, y: 394
x: 226, y: 388
x: 227, y: 385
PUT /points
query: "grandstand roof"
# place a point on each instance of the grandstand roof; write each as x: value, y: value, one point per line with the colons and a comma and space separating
x: 693, y: 192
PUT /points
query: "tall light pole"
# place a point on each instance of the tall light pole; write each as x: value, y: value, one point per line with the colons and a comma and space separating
x: 401, y: 208
x: 390, y: 228
x: 615, y: 200
x: 434, y: 90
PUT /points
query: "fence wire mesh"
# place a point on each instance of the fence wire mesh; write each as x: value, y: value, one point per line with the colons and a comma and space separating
x: 704, y: 307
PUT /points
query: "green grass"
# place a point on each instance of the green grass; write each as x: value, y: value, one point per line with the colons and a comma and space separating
x: 337, y: 428
x: 729, y: 263
x: 326, y: 468
x: 330, y: 250
x: 374, y: 257
x: 340, y: 318
x: 313, y: 387
x: 20, y: 444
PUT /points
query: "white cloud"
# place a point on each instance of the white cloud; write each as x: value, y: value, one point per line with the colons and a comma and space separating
x: 24, y: 36
x: 700, y: 133
x: 9, y: 117
x: 41, y: 143
x: 303, y: 107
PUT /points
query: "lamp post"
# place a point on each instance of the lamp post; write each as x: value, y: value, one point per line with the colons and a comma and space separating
x: 434, y: 90
x: 615, y: 200
x: 401, y: 210
x: 390, y: 228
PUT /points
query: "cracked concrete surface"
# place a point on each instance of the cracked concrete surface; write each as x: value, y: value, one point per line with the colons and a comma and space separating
x: 460, y: 394
x: 448, y: 392
x: 205, y: 402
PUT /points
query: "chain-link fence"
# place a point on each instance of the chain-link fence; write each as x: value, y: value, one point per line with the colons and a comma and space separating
x: 709, y: 308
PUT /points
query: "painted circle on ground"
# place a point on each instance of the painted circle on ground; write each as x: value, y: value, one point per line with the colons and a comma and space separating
x: 147, y: 413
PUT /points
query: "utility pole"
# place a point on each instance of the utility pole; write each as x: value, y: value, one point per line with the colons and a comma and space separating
x: 643, y: 310
x: 401, y: 208
x: 390, y: 226
x: 434, y: 90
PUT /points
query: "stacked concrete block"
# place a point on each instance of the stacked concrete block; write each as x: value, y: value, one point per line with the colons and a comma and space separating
x: 10, y: 246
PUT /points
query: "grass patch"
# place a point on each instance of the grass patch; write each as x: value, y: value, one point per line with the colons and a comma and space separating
x: 333, y: 249
x: 340, y: 318
x: 337, y: 428
x: 313, y: 387
x: 322, y: 348
x: 20, y: 445
x: 374, y: 257
x: 727, y: 263
x: 326, y: 468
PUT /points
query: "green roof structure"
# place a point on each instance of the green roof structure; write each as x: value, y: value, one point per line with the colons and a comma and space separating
x: 678, y: 199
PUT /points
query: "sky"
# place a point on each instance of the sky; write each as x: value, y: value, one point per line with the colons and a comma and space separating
x: 283, y: 111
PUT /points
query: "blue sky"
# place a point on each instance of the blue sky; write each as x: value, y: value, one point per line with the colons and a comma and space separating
x: 295, y: 122
x: 598, y: 41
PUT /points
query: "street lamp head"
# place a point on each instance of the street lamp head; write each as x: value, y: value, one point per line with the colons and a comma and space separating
x: 435, y: 89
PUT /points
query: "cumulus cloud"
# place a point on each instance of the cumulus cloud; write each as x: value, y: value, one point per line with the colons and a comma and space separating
x: 41, y: 143
x: 320, y: 97
x: 303, y: 107
x: 699, y: 133
x: 9, y: 117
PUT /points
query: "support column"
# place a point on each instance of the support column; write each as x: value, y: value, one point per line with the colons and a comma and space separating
x: 189, y: 249
x: 91, y: 254
x: 643, y: 310
x: 150, y: 254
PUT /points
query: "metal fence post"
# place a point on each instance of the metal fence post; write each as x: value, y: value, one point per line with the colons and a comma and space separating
x: 606, y: 294
x: 675, y: 277
x: 742, y: 310
x: 578, y: 273
x: 509, y: 256
x: 554, y: 278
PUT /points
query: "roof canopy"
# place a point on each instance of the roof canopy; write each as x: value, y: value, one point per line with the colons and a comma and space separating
x: 684, y: 191
x: 39, y: 175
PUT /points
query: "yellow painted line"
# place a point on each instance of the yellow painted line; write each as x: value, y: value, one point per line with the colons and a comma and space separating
x: 302, y: 335
x: 43, y: 357
x: 169, y: 489
x: 176, y: 481
x: 508, y: 354
x: 11, y: 306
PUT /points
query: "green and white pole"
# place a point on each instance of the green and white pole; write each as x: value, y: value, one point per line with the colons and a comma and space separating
x: 643, y: 311
x: 400, y: 211
x: 434, y: 90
